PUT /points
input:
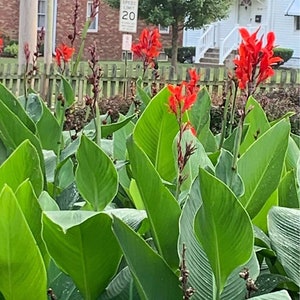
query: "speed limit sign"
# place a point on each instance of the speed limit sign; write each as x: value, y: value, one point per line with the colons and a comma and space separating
x: 128, y: 15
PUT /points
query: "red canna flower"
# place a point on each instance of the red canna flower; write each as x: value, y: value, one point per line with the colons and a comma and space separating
x: 183, y: 96
x: 1, y: 45
x: 254, y: 64
x: 148, y: 47
x: 63, y: 52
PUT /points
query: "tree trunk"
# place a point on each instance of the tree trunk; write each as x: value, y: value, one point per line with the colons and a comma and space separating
x: 27, y: 30
x: 174, y: 45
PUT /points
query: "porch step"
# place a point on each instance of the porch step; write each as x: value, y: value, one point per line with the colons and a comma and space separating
x: 211, y: 57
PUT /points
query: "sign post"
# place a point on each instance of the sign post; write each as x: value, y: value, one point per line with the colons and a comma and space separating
x: 128, y: 23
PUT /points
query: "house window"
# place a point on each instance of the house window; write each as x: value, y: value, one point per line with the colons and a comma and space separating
x: 41, y: 13
x: 94, y: 26
x: 129, y: 55
x: 297, y: 22
x: 163, y: 29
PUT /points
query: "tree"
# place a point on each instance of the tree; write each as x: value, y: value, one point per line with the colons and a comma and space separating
x: 180, y: 14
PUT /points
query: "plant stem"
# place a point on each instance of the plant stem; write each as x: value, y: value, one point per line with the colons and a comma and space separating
x: 233, y: 107
x: 237, y: 142
x: 224, y: 121
x: 98, y: 125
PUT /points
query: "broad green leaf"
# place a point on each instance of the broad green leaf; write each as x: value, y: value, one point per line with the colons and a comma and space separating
x: 199, y: 116
x: 198, y: 159
x: 292, y: 155
x: 66, y: 174
x: 22, y: 271
x: 260, y: 220
x: 257, y: 121
x: 267, y: 283
x: 135, y: 195
x: 13, y: 132
x: 46, y: 202
x: 33, y: 214
x: 67, y: 91
x: 200, y: 272
x: 61, y: 284
x: 12, y: 103
x: 153, y: 277
x: 96, y: 176
x: 226, y: 238
x: 162, y: 209
x: 32, y: 106
x: 22, y: 164
x: 229, y: 176
x: 82, y: 245
x: 261, y: 165
x: 50, y: 160
x: 284, y: 232
x: 280, y: 295
x: 289, y: 191
x: 143, y: 94
x: 4, y: 153
x: 121, y: 287
x: 154, y: 133
x: 48, y: 130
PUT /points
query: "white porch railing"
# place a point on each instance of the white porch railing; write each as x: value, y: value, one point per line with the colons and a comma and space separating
x: 233, y: 39
x: 205, y: 42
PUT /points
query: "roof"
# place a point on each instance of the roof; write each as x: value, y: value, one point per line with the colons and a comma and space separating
x: 293, y: 9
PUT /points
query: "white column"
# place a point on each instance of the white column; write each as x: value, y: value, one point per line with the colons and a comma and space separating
x: 27, y: 29
x: 48, y: 47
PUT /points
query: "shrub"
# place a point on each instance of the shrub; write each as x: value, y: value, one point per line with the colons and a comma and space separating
x: 284, y: 53
x: 185, y: 54
x: 11, y: 50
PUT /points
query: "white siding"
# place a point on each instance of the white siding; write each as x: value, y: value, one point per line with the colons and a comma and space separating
x: 284, y: 28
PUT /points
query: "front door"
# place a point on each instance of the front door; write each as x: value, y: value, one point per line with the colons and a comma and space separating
x: 244, y: 13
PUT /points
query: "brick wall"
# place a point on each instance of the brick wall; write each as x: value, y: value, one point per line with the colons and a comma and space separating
x: 9, y: 22
x: 108, y: 38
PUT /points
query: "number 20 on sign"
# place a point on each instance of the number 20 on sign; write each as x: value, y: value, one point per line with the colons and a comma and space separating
x: 128, y: 15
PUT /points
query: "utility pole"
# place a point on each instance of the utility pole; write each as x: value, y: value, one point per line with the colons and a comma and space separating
x: 27, y: 30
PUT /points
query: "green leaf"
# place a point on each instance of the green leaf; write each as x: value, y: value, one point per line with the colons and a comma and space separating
x: 162, y: 209
x: 267, y: 283
x: 33, y: 106
x: 82, y: 245
x: 229, y: 176
x: 22, y: 271
x: 33, y: 214
x: 153, y: 277
x: 284, y: 225
x: 22, y: 164
x: 200, y: 272
x: 257, y: 121
x: 66, y: 174
x: 12, y: 103
x: 280, y: 295
x: 289, y: 191
x: 61, y: 284
x: 48, y: 130
x: 67, y: 91
x: 227, y: 241
x: 121, y: 287
x: 262, y: 177
x: 154, y: 133
x: 96, y: 176
x: 46, y: 202
x: 13, y: 132
x: 199, y: 116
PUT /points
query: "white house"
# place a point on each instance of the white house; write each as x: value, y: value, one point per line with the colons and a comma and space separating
x: 280, y: 16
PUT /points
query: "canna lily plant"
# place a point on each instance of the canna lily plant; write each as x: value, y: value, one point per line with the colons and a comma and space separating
x: 155, y: 208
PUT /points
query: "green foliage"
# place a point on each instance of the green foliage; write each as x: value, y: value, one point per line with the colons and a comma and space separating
x: 11, y: 50
x: 284, y: 53
x: 111, y: 214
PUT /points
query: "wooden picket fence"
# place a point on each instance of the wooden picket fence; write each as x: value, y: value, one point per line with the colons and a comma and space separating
x: 116, y: 79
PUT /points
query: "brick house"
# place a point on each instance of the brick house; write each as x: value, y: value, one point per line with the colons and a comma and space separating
x: 105, y: 29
